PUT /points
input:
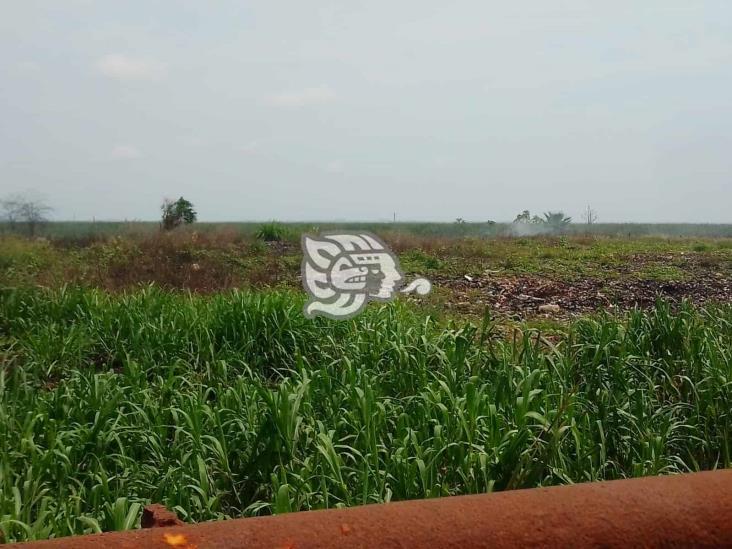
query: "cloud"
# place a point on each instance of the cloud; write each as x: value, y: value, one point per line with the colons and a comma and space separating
x: 304, y: 97
x: 334, y: 166
x: 126, y: 152
x: 29, y: 66
x: 251, y: 148
x: 122, y: 67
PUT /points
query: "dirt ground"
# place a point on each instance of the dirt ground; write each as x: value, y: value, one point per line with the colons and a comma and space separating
x: 532, y: 295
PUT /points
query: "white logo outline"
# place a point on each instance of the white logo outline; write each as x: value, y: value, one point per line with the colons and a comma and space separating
x: 342, y: 272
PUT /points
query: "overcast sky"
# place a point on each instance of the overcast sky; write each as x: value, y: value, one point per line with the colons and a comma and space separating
x: 334, y: 110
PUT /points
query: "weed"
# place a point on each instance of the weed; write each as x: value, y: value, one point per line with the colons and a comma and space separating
x: 235, y: 404
x: 272, y: 232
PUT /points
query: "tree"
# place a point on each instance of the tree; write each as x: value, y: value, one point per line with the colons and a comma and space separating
x: 24, y: 208
x: 177, y: 213
x: 525, y: 217
x: 461, y: 227
x: 557, y: 222
x: 589, y: 216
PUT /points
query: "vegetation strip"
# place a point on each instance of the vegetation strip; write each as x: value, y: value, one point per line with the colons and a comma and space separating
x: 235, y: 405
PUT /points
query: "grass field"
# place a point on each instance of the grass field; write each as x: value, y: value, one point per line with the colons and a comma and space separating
x: 130, y: 376
x: 510, y: 275
x: 75, y: 230
x: 235, y: 404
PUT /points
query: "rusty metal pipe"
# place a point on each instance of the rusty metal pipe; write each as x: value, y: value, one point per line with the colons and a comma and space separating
x: 673, y: 511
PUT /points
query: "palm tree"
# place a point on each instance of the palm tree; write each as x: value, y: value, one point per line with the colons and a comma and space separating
x: 556, y: 222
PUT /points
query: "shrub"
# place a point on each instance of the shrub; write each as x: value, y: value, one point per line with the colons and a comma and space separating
x: 272, y: 232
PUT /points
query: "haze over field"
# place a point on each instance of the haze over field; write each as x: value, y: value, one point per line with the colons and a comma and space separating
x: 428, y: 109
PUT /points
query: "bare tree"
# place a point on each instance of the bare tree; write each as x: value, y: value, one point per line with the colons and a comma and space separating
x: 24, y: 208
x: 9, y: 212
x: 589, y: 216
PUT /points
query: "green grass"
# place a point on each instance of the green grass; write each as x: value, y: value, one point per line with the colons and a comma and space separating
x: 665, y: 273
x: 273, y: 231
x: 235, y: 405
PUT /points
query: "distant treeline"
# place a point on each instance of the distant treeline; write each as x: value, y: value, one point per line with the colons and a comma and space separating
x: 101, y: 229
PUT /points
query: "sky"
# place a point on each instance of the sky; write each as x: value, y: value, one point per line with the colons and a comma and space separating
x: 346, y: 110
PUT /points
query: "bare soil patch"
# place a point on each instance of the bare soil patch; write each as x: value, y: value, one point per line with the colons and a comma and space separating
x: 530, y: 295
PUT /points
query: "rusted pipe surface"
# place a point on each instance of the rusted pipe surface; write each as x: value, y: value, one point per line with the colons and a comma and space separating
x: 677, y: 511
